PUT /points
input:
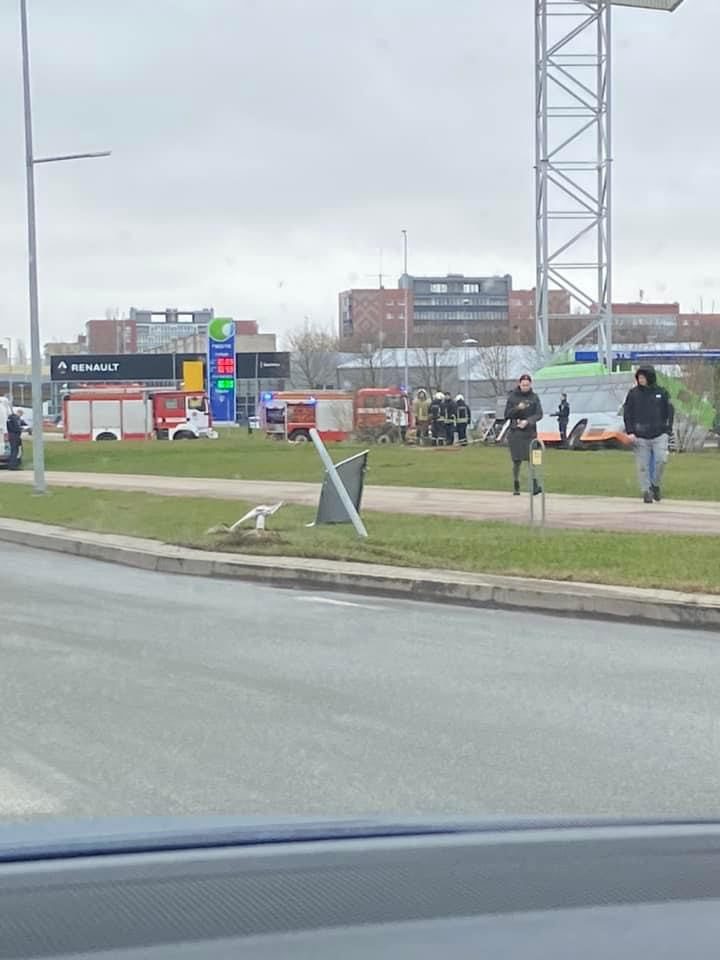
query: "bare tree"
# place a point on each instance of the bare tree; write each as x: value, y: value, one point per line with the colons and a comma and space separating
x: 694, y: 413
x: 314, y: 357
x: 493, y: 364
x: 432, y: 365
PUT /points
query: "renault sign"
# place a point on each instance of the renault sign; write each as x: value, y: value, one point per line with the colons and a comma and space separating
x: 118, y: 367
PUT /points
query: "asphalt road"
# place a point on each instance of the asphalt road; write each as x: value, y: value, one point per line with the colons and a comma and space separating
x: 124, y: 692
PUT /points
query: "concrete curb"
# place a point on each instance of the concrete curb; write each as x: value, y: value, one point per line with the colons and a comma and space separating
x: 662, y: 607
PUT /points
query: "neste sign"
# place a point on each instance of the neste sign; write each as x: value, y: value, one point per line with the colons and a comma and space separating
x: 112, y: 367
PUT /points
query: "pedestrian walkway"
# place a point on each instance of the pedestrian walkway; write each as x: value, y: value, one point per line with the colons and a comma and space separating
x: 574, y: 512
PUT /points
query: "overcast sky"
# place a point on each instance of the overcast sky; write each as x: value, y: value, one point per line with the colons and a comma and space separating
x: 265, y: 150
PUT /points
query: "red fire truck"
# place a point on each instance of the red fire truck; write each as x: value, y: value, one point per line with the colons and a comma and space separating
x: 134, y: 413
x: 372, y: 413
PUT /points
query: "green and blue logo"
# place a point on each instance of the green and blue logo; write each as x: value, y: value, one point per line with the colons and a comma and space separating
x: 220, y: 329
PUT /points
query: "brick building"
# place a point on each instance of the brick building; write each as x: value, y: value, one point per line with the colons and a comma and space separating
x: 521, y: 314
x: 111, y: 336
x: 376, y: 315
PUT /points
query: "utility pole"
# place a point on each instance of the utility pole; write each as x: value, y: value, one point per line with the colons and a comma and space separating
x: 406, y: 311
x: 30, y: 162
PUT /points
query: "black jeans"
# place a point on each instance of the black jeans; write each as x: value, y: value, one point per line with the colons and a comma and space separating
x: 15, y: 444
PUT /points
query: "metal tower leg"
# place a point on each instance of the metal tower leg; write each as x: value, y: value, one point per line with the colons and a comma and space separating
x: 573, y: 174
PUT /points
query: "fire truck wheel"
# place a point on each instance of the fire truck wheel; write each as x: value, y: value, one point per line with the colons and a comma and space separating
x: 384, y: 438
x: 184, y: 435
x: 106, y: 436
x: 299, y: 436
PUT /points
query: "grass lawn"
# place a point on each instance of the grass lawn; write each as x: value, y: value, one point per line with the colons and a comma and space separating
x: 237, y: 456
x: 649, y: 560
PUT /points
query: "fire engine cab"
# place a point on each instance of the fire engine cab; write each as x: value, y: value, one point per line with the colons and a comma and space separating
x: 132, y: 413
x: 373, y: 413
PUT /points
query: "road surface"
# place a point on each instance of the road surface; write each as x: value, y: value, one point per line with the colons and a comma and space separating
x: 574, y: 512
x: 125, y: 692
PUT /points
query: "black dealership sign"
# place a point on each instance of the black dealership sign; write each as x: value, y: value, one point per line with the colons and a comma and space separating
x: 263, y: 366
x: 117, y: 367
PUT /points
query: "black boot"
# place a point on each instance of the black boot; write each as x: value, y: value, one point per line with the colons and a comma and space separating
x: 647, y: 497
x: 536, y: 488
x: 516, y: 488
x: 656, y: 492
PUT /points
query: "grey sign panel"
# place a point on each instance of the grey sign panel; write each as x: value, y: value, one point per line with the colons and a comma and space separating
x: 352, y: 474
x: 118, y: 367
x: 263, y: 366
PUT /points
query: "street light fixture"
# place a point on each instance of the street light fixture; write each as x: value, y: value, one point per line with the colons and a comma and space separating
x: 573, y: 190
x: 30, y: 162
x: 668, y: 5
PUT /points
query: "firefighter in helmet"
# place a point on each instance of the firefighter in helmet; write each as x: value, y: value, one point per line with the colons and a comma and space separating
x: 437, y: 418
x: 462, y: 419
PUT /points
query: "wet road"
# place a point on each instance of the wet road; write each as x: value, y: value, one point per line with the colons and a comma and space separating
x: 125, y: 692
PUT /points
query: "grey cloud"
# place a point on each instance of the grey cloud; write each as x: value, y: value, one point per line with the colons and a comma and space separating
x: 258, y: 141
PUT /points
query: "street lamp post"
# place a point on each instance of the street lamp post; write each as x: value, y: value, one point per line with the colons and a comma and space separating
x: 467, y: 343
x: 30, y: 162
x: 406, y: 311
x: 8, y: 340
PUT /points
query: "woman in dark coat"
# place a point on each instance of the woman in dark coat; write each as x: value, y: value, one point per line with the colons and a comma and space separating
x: 524, y: 410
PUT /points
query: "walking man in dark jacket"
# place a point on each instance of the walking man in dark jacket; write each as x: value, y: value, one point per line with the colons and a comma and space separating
x: 14, y: 431
x: 649, y: 416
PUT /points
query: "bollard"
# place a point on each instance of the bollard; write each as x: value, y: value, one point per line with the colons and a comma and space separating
x: 536, y: 473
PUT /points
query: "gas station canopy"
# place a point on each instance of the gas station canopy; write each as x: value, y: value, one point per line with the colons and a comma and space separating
x: 668, y: 5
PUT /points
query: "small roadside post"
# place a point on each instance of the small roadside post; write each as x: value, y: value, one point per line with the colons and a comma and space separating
x: 332, y: 475
x: 537, y: 477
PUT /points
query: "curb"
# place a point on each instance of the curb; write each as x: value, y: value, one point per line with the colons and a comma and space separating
x: 660, y: 607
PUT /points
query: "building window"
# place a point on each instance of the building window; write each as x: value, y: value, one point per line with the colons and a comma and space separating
x: 471, y: 288
x: 438, y: 288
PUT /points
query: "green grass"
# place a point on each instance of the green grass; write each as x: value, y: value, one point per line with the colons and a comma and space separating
x: 647, y: 560
x: 237, y: 456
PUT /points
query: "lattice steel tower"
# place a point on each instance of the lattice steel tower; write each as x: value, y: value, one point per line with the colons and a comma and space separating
x: 573, y: 164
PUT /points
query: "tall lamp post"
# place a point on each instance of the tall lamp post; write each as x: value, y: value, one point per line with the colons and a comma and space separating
x: 406, y: 309
x: 573, y: 191
x: 8, y: 340
x: 30, y: 163
x: 467, y: 343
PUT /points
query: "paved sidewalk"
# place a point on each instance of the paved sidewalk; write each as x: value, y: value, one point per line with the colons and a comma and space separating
x: 606, y: 513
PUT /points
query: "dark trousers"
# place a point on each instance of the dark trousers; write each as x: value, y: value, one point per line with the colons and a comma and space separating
x: 15, y: 444
x: 563, y: 424
x: 462, y: 433
x: 450, y: 433
x: 438, y: 430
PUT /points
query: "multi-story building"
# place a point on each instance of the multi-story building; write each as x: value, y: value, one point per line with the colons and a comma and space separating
x: 521, y: 314
x: 65, y: 348
x: 454, y: 303
x: 640, y: 320
x: 375, y: 316
x: 111, y: 336
x: 700, y: 326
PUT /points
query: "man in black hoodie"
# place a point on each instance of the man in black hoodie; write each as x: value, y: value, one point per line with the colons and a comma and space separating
x: 649, y: 416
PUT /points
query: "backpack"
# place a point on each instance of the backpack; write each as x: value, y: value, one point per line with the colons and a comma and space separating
x: 14, y: 424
